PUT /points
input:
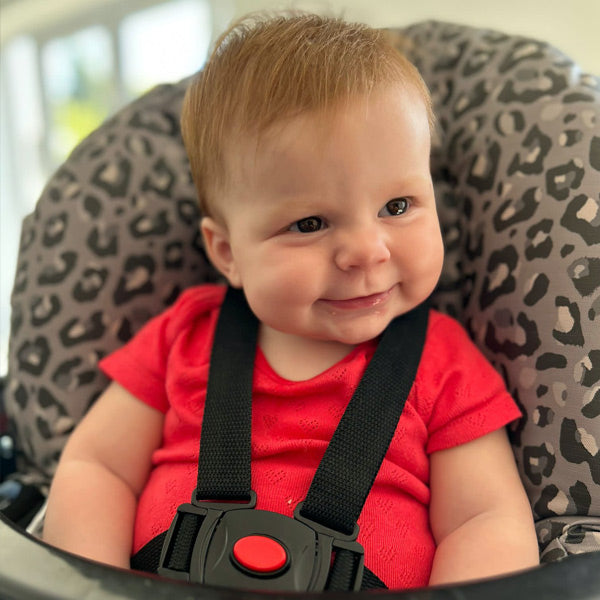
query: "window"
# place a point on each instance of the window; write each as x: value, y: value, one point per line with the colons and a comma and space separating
x: 148, y: 53
x: 59, y: 82
x: 77, y: 78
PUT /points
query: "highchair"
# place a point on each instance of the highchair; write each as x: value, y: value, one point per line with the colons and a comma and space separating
x: 516, y: 166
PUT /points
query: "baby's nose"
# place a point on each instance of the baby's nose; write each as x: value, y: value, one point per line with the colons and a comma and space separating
x: 361, y: 249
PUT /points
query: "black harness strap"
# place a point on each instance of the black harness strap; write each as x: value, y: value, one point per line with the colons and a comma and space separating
x: 356, y: 450
x: 350, y: 464
x: 224, y: 460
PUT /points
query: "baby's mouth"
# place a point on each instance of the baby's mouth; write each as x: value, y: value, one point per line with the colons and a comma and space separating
x: 361, y: 301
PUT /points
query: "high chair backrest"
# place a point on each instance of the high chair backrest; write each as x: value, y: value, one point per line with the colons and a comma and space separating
x: 516, y: 163
x: 518, y: 189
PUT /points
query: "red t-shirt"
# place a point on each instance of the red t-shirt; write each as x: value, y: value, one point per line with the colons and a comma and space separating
x: 457, y: 397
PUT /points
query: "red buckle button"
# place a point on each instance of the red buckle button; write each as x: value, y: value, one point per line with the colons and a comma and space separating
x: 260, y: 554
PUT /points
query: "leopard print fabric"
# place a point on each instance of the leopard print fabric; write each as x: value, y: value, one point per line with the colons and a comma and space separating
x: 517, y: 170
x: 111, y: 243
x: 114, y: 239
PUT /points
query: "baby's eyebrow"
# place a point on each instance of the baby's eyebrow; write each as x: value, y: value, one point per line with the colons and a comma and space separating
x: 299, y: 205
x: 412, y: 180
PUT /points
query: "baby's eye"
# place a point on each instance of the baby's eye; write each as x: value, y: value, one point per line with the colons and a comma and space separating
x: 308, y: 225
x: 395, y: 207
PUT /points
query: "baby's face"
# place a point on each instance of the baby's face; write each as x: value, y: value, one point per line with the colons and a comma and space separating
x: 332, y: 224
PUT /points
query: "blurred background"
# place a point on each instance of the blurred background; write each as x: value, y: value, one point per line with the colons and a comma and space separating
x: 66, y: 65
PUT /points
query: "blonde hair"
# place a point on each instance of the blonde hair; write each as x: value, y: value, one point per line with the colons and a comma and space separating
x: 267, y: 68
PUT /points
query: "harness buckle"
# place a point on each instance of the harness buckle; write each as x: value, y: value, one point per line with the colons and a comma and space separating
x: 193, y: 523
x: 334, y: 544
x: 214, y: 543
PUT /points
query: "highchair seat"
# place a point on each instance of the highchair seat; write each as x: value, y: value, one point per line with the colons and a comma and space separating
x: 516, y: 166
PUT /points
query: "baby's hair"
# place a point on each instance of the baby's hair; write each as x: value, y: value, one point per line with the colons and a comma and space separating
x: 267, y: 68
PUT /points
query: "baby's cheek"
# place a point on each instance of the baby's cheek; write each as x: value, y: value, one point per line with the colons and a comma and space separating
x: 436, y: 259
x: 425, y: 264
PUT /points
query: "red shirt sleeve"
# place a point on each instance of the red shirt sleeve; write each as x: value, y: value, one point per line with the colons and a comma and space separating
x: 140, y: 366
x: 465, y: 396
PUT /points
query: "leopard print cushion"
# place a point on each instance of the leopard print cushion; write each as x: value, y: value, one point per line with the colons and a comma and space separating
x: 517, y: 171
x: 114, y: 239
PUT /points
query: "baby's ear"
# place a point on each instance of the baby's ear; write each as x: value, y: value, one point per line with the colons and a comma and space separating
x: 218, y: 248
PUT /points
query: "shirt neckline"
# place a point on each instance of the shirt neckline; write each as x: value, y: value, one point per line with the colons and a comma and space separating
x: 262, y: 364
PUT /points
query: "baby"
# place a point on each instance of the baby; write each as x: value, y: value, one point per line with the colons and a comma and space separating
x: 309, y: 142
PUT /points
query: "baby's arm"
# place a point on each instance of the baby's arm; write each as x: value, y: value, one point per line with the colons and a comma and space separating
x: 479, y: 514
x: 92, y: 502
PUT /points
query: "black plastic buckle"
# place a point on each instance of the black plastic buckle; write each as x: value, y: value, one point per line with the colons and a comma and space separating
x: 202, y: 517
x: 330, y: 541
x: 206, y: 532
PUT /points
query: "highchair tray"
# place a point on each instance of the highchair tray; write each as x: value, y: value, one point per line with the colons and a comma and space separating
x: 31, y: 569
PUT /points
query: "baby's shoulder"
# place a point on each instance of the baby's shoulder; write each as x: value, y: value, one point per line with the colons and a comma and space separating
x: 448, y: 343
x: 194, y: 304
x: 442, y: 325
x: 205, y: 297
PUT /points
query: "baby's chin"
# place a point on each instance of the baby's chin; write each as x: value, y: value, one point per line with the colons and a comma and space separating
x: 366, y: 334
x: 355, y: 338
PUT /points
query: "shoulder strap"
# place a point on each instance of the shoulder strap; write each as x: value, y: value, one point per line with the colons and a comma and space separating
x: 224, y: 459
x: 358, y: 446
